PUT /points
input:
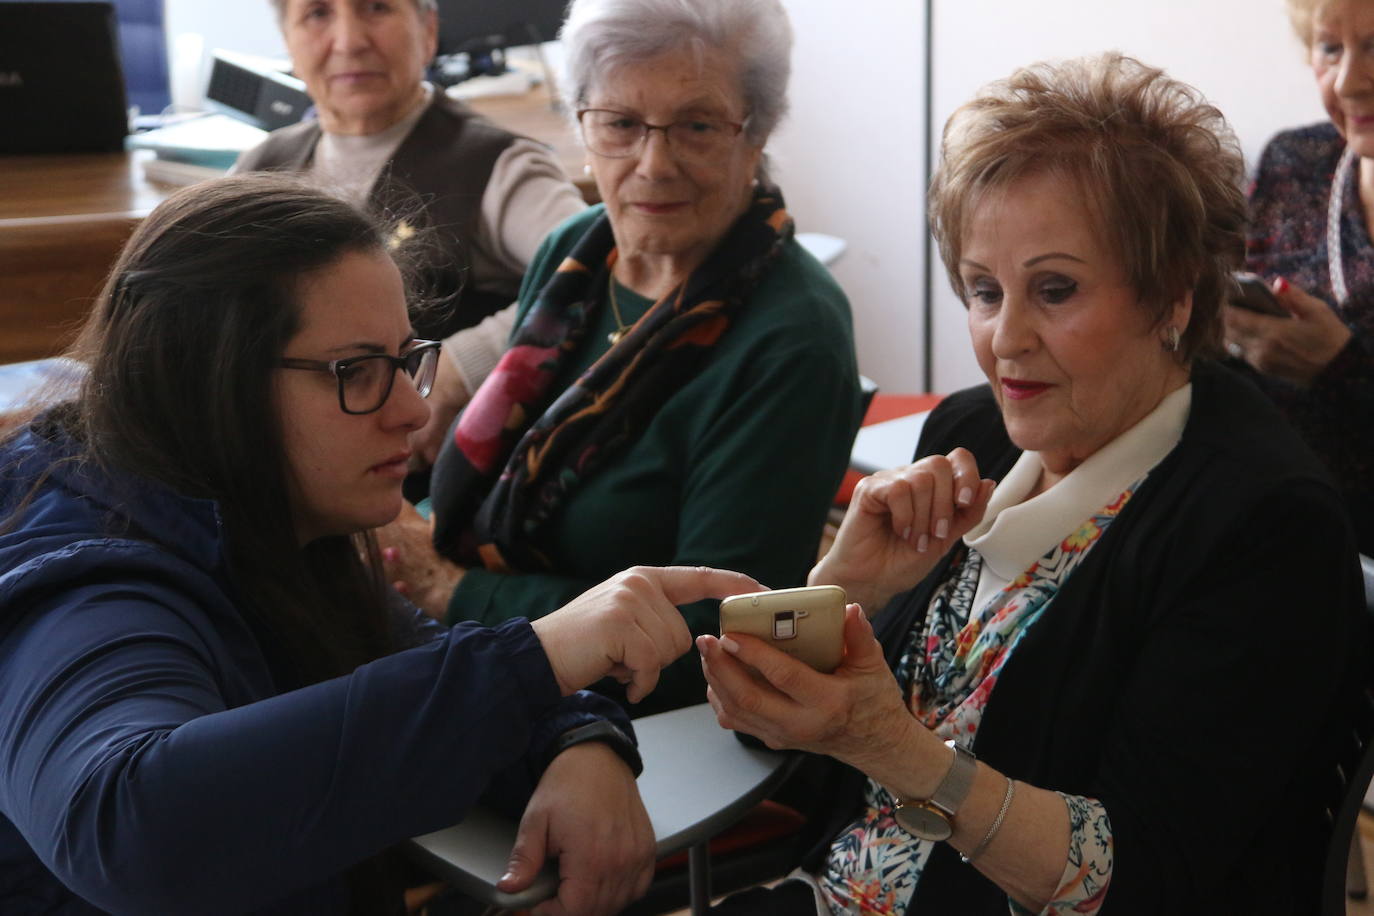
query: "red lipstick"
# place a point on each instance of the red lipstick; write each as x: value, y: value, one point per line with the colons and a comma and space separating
x: 1023, y: 389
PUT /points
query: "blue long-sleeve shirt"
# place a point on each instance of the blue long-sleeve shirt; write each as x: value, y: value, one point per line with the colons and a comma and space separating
x: 148, y: 763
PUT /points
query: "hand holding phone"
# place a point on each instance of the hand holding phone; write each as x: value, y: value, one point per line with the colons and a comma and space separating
x: 1251, y: 292
x: 806, y: 623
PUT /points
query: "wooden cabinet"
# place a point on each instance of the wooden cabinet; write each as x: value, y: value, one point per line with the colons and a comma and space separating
x: 63, y: 220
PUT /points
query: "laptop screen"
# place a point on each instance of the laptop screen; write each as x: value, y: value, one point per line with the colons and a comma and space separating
x: 61, y: 88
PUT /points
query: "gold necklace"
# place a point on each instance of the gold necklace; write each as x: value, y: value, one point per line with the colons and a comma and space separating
x: 620, y: 329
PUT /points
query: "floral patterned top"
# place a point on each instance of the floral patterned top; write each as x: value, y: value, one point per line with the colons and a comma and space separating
x: 949, y: 671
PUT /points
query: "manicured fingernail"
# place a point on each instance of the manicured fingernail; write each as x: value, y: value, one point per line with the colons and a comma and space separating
x: 922, y: 543
x: 965, y: 496
x: 506, y: 878
x: 906, y: 533
x: 729, y: 645
x: 389, y: 554
x: 942, y: 528
x: 1281, y: 285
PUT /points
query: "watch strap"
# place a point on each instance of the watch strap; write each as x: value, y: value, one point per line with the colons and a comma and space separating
x: 932, y: 818
x: 958, y: 781
x: 604, y: 731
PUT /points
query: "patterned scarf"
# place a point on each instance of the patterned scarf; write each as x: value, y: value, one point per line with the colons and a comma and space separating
x: 950, y: 670
x: 520, y: 448
x: 950, y: 667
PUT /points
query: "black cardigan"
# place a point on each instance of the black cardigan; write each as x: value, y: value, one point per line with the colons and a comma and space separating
x: 1175, y: 677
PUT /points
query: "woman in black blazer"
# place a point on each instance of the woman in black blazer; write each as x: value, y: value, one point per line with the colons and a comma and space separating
x: 1115, y: 600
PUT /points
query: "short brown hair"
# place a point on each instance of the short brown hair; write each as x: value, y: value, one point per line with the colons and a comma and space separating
x: 1159, y: 169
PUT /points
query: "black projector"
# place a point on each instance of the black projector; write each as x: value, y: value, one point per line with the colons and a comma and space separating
x: 253, y: 90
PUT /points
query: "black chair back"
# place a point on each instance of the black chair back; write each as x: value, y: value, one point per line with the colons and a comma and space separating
x: 1354, y: 772
x: 867, y: 389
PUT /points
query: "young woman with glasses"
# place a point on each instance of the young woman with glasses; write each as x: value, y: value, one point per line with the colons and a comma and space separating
x: 681, y: 385
x: 209, y: 699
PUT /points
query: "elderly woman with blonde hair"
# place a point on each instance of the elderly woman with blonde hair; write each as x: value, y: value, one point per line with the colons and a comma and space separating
x: 1068, y: 698
x: 1312, y: 218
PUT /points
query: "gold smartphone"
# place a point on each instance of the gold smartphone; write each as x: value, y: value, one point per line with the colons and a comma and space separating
x: 806, y: 623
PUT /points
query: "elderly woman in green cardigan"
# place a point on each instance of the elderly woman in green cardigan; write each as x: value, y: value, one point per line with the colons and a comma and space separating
x: 681, y: 385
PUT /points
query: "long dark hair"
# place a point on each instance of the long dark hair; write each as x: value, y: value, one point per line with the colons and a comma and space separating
x: 180, y: 349
x: 180, y: 353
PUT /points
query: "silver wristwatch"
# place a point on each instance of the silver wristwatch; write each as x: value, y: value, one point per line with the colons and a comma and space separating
x: 932, y: 819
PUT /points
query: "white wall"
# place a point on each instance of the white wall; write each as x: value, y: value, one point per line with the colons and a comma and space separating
x: 848, y: 161
x: 1240, y: 53
x: 197, y: 27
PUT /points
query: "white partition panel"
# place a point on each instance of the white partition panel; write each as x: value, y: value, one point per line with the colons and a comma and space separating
x: 849, y: 162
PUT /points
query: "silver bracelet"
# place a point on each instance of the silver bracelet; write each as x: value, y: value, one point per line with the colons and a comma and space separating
x: 996, y: 825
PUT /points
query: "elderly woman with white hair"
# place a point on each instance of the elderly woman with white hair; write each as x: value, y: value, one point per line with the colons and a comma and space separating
x: 681, y: 385
x: 388, y: 140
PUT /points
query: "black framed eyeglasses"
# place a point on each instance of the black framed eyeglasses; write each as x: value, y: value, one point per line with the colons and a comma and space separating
x: 365, y: 381
x: 618, y: 135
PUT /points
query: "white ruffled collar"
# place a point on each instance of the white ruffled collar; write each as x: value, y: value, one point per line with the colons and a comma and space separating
x: 1015, y: 531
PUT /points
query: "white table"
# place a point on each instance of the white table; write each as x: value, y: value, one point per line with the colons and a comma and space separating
x: 888, y: 444
x: 698, y: 779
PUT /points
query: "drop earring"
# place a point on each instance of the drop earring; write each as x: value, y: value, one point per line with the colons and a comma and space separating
x: 1172, y: 339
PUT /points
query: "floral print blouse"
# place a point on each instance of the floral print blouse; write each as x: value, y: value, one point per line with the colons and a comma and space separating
x: 949, y: 671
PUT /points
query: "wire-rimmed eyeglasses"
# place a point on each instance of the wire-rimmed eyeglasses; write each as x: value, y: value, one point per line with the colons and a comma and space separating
x: 365, y: 381
x: 619, y: 135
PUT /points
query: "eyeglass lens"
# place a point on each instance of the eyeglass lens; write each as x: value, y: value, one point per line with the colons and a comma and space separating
x: 612, y: 133
x: 365, y: 382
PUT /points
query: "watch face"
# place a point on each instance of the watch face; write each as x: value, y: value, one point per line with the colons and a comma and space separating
x: 924, y: 821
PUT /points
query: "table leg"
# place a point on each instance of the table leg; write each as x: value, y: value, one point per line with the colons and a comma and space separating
x: 699, y: 878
